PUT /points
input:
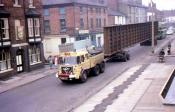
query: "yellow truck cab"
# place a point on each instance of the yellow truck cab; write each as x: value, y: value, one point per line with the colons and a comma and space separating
x: 78, y: 65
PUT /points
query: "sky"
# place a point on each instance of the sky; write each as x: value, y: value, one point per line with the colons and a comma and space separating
x: 162, y: 4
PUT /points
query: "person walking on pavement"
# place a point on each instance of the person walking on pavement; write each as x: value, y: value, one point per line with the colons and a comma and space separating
x: 50, y: 60
x: 56, y: 61
x: 169, y: 48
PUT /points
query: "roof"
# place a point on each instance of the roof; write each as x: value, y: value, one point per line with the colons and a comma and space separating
x: 87, y: 2
x: 136, y: 4
x: 115, y: 13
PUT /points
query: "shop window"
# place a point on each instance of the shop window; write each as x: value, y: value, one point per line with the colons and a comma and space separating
x: 63, y: 40
x: 4, y: 28
x: 34, y: 54
x: 5, y: 61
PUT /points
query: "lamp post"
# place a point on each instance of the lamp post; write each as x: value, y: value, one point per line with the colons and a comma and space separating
x: 152, y: 21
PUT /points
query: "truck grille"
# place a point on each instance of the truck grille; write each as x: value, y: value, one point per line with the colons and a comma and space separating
x: 67, y: 70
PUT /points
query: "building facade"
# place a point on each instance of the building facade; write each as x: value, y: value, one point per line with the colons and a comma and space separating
x: 134, y: 10
x: 21, y: 48
x: 115, y: 16
x: 73, y: 20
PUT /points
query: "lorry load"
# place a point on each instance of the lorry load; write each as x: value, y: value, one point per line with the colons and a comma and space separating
x: 118, y: 38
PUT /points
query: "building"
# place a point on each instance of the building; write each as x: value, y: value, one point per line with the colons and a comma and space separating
x: 21, y: 46
x: 115, y: 17
x: 67, y: 21
x: 134, y: 11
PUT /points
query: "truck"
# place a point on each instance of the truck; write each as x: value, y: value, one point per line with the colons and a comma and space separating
x: 78, y: 65
x: 118, y: 38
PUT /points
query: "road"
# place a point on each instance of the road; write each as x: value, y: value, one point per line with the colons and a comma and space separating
x: 51, y: 95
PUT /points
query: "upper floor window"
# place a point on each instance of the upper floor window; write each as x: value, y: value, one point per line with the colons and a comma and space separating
x: 104, y: 10
x: 16, y: 3
x: 91, y: 10
x: 46, y: 26
x: 62, y: 10
x: 4, y: 28
x: 46, y: 12
x: 19, y: 30
x: 1, y: 3
x: 33, y: 27
x: 31, y: 4
x: 81, y: 9
x: 62, y: 25
x: 81, y: 23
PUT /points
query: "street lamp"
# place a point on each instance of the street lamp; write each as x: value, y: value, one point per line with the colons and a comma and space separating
x: 152, y: 20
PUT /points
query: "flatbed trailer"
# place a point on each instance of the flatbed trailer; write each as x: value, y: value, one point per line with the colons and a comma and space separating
x: 119, y: 37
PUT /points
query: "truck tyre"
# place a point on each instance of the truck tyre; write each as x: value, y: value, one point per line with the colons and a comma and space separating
x: 96, y: 70
x: 125, y: 58
x: 102, y: 67
x: 83, y: 77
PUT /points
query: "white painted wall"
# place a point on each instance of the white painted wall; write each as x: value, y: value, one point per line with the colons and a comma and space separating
x: 51, y: 44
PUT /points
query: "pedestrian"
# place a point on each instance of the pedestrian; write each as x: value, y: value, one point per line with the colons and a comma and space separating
x: 56, y: 61
x: 50, y: 60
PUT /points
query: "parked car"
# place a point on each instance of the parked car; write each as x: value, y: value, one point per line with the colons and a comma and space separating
x: 169, y: 32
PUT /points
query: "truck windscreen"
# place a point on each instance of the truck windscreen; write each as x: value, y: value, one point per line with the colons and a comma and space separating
x: 70, y: 60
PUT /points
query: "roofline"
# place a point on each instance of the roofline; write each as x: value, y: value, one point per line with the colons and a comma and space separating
x: 70, y: 4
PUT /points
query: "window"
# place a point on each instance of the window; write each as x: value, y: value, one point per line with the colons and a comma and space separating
x: 99, y: 10
x: 46, y: 12
x: 104, y: 10
x: 5, y: 60
x: 104, y: 22
x: 62, y: 10
x: 62, y: 25
x: 37, y: 27
x: 31, y: 4
x: 16, y: 3
x: 97, y: 22
x: 81, y: 9
x: 33, y: 27
x: 46, y: 26
x: 30, y: 27
x: 81, y: 23
x: 4, y: 28
x: 92, y: 23
x: 34, y: 54
x: 1, y: 3
x: 19, y: 30
x: 96, y: 10
x: 91, y: 10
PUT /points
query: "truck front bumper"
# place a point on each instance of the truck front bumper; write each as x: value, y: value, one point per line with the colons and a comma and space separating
x: 65, y: 76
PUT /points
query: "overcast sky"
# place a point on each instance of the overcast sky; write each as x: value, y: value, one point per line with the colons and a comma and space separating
x: 162, y: 4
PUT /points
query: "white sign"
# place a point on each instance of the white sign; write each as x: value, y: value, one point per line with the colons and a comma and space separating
x: 83, y: 31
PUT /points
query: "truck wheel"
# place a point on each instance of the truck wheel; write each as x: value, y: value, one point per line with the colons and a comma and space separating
x: 65, y: 81
x: 124, y: 58
x: 83, y: 77
x: 96, y: 70
x: 102, y: 67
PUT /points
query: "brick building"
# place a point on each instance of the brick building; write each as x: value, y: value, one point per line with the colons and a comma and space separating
x: 21, y: 46
x: 71, y: 20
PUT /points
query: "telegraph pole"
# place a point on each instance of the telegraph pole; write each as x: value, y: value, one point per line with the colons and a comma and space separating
x: 152, y: 20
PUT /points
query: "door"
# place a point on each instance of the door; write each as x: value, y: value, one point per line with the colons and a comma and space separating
x: 19, y: 61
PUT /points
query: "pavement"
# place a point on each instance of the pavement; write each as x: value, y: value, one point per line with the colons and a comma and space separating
x: 141, y: 94
x: 25, y: 78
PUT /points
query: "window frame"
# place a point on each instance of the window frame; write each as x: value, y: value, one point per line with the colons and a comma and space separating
x: 34, y: 54
x: 81, y: 23
x: 46, y: 12
x: 5, y: 28
x: 47, y: 26
x: 5, y: 59
x: 34, y: 28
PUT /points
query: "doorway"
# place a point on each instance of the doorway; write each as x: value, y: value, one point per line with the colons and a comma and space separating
x: 19, y: 60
